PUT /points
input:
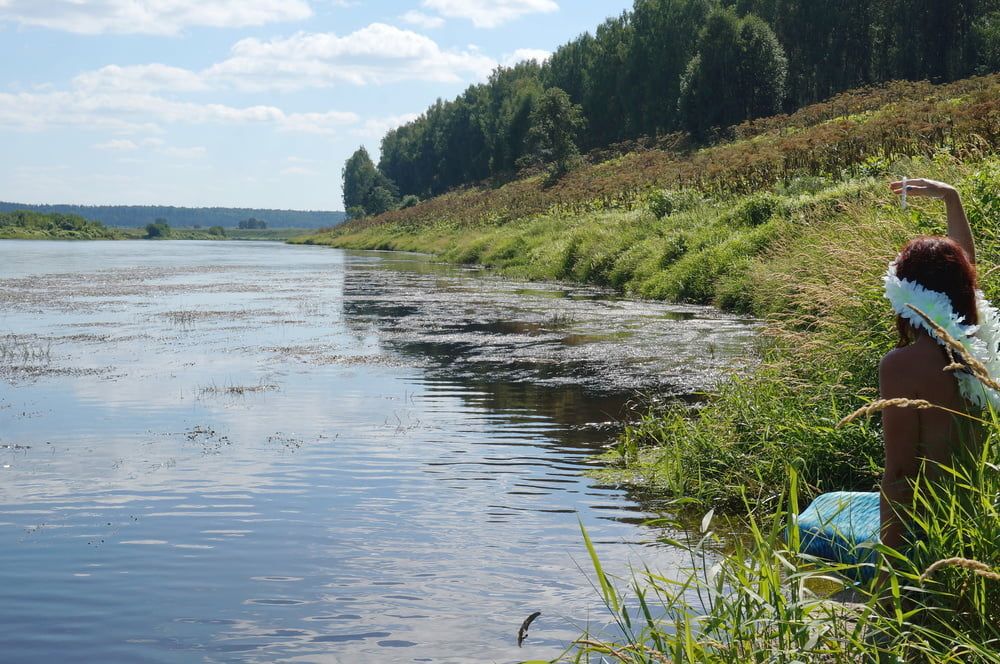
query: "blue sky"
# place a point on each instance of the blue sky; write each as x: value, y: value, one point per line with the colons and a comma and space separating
x: 243, y: 103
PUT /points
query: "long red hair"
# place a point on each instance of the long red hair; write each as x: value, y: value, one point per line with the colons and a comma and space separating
x: 937, y: 263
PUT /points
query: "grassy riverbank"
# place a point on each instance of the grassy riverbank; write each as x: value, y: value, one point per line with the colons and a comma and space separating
x: 791, y: 222
x: 27, y: 225
x: 262, y: 235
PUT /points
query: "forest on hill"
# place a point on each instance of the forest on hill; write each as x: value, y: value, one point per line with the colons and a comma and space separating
x: 138, y: 216
x: 684, y: 67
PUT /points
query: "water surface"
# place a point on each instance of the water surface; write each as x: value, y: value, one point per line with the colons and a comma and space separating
x: 256, y: 452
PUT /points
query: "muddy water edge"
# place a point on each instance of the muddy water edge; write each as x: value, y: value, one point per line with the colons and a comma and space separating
x: 257, y: 452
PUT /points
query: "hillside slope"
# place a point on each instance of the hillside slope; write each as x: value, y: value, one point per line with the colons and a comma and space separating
x: 682, y: 223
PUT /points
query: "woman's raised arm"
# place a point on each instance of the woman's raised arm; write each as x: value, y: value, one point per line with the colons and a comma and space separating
x: 958, y: 223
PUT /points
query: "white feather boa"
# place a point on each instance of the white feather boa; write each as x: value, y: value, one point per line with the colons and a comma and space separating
x: 981, y: 341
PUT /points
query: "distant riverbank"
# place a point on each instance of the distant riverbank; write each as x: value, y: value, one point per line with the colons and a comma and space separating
x: 28, y: 225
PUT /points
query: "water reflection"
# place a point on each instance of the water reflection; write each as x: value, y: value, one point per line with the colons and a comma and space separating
x: 242, y: 452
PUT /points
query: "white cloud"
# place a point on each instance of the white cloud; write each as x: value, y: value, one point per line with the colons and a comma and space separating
x: 522, y: 54
x: 422, y: 20
x: 193, y: 152
x: 126, y: 112
x: 490, y: 13
x: 298, y: 170
x: 161, y: 17
x: 318, y: 123
x: 376, y: 54
x: 158, y: 144
x: 376, y: 128
x: 140, y: 78
x: 118, y: 145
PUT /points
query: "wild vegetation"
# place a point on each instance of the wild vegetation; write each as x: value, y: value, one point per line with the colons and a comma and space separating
x: 220, y: 233
x: 24, y: 224
x: 30, y: 225
x: 137, y: 216
x: 758, y: 599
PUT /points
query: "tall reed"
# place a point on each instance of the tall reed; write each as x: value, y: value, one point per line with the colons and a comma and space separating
x: 758, y: 599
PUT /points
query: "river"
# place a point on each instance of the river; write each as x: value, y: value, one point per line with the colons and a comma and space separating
x: 257, y: 452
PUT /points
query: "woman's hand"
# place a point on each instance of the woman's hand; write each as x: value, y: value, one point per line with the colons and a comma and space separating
x: 923, y: 187
x: 958, y: 223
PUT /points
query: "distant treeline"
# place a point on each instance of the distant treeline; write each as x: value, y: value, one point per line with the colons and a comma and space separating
x: 684, y: 65
x: 137, y: 216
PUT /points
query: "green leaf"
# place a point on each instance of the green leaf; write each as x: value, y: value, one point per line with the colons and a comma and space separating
x: 610, y: 597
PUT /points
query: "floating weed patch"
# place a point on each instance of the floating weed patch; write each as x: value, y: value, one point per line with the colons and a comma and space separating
x: 21, y: 351
x: 237, y: 390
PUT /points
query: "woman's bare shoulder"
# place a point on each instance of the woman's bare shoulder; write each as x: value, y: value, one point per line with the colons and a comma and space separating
x: 909, y: 368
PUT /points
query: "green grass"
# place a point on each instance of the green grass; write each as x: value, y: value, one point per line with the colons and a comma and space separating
x: 269, y: 234
x: 825, y: 328
x: 756, y: 598
x: 28, y: 225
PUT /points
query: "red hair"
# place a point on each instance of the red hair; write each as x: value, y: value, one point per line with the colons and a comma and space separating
x: 937, y: 263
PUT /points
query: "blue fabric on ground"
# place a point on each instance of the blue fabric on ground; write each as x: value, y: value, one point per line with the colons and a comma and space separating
x: 841, y: 526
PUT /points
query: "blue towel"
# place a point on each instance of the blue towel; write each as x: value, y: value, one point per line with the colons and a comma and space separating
x: 841, y: 526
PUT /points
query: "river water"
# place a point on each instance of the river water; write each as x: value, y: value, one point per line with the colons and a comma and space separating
x: 256, y: 452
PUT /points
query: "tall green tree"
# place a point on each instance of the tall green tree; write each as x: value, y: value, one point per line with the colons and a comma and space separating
x: 986, y: 32
x: 738, y: 73
x: 665, y: 39
x: 366, y: 189
x: 556, y: 123
x: 762, y: 69
x: 359, y: 175
x: 673, y: 64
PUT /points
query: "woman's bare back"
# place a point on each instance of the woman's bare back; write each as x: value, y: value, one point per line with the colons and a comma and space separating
x: 921, y: 366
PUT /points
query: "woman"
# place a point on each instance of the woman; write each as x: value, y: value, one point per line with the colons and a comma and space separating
x: 936, y: 275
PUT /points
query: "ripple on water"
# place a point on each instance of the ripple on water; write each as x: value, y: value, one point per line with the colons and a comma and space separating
x: 250, y: 451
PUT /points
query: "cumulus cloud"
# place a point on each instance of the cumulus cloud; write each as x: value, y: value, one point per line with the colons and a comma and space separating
x: 193, y: 152
x: 118, y: 145
x: 126, y: 112
x: 140, y: 78
x: 376, y: 128
x: 298, y: 170
x: 490, y: 13
x: 161, y: 17
x: 522, y: 54
x: 142, y: 100
x: 318, y: 123
x: 422, y: 20
x: 375, y: 54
